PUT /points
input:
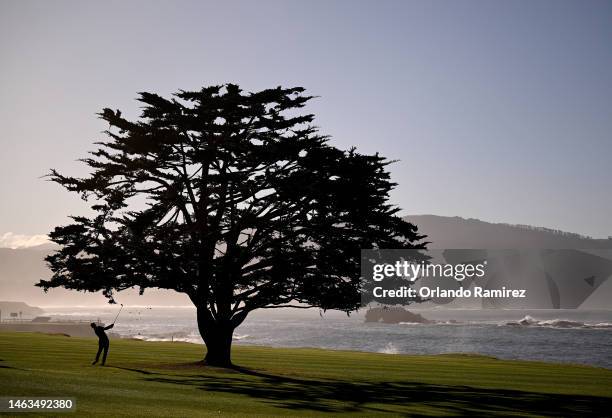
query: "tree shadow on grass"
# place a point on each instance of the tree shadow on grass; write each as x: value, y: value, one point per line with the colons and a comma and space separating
x: 4, y: 366
x: 404, y: 397
x: 131, y: 369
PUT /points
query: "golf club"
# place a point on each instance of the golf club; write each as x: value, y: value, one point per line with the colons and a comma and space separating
x: 115, y: 320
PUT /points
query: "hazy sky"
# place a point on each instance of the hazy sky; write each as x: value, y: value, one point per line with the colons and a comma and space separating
x: 496, y: 110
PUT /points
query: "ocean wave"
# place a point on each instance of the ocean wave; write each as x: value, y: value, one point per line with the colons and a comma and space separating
x: 187, y: 337
x: 112, y: 306
x: 390, y: 348
x: 82, y: 314
x: 429, y: 323
x: 169, y: 339
x: 529, y: 321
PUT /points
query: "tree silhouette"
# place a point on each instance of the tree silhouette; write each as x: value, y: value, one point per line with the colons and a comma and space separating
x: 232, y: 198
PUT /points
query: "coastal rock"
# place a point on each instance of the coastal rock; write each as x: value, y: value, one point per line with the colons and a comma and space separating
x: 394, y: 315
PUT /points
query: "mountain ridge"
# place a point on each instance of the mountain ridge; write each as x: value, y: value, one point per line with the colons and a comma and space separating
x: 21, y: 268
x: 456, y: 232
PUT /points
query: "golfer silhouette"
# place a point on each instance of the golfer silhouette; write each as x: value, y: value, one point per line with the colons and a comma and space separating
x: 103, y: 341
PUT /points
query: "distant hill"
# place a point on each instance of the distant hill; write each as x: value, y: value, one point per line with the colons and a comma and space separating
x: 21, y: 268
x: 446, y: 232
x: 456, y: 232
x: 26, y: 311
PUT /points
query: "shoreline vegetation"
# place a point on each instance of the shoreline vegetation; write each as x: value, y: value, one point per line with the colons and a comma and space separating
x: 163, y: 378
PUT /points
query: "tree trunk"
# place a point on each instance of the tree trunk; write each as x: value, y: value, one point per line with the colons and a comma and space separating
x: 217, y: 335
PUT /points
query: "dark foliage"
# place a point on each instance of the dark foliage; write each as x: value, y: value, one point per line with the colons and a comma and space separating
x: 232, y: 198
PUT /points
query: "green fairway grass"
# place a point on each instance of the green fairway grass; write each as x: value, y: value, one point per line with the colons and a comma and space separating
x: 153, y: 379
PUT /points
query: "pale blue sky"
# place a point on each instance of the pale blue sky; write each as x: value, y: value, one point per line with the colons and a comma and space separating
x: 497, y: 110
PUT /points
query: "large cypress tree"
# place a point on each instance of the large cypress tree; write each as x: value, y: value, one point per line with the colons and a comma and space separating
x: 232, y: 198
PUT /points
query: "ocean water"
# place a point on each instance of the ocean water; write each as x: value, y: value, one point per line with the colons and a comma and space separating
x: 568, y: 336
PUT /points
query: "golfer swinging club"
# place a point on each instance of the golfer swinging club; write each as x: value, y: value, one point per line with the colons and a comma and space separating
x: 103, y: 342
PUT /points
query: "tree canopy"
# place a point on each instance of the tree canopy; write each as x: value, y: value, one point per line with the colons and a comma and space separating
x: 233, y: 198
